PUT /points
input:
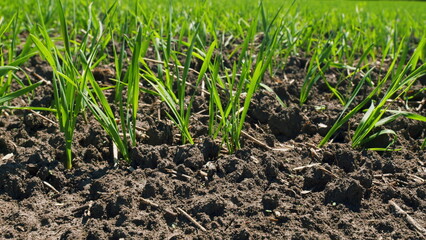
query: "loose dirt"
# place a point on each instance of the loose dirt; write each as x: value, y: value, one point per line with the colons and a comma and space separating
x: 174, y: 191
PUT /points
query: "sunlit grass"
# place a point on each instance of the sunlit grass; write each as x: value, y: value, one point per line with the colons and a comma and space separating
x: 153, y: 46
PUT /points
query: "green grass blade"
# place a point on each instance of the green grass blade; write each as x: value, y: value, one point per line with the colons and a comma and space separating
x: 19, y: 93
x: 64, y: 28
x: 254, y: 82
x: 375, y: 135
x: 5, y: 69
x: 133, y: 85
x: 46, y: 54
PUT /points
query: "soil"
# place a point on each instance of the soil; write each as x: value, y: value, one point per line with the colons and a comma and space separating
x: 288, y: 190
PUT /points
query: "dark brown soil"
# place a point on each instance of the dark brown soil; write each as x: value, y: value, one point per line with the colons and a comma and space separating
x: 302, y: 193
